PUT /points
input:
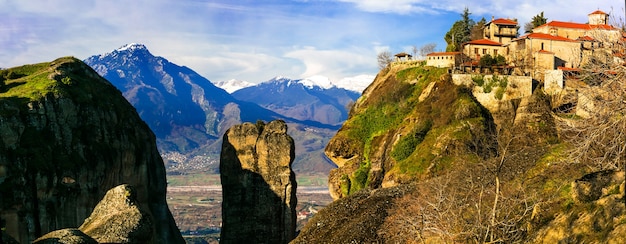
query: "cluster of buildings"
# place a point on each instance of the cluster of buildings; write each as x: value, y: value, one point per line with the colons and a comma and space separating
x: 556, y: 45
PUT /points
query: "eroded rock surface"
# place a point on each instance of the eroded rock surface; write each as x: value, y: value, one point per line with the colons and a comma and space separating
x: 259, y: 186
x: 118, y: 219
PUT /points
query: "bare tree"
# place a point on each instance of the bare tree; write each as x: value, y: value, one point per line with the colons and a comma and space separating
x: 414, y: 51
x: 384, y: 58
x: 426, y: 49
x: 598, y: 132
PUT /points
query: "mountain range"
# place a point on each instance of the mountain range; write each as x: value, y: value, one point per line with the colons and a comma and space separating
x: 356, y: 84
x: 314, y: 99
x: 188, y: 113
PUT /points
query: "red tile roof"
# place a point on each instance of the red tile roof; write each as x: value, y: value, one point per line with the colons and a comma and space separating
x: 597, y: 12
x: 586, y: 38
x: 568, y: 69
x: 443, y: 53
x: 502, y: 21
x: 572, y: 25
x: 545, y: 37
x: 483, y: 42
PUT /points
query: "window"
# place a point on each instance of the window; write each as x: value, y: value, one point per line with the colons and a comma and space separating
x: 476, y: 50
x: 495, y: 53
x: 484, y: 50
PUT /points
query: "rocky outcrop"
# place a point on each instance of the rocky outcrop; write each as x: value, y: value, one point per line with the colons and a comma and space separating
x: 116, y: 219
x: 597, y: 213
x: 65, y: 236
x: 258, y: 184
x: 358, y: 218
x: 119, y: 219
x: 68, y: 136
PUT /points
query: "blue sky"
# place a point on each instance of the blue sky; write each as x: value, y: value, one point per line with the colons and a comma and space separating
x: 255, y: 40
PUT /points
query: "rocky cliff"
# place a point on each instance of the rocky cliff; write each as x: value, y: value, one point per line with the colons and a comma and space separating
x: 421, y: 159
x: 258, y: 185
x: 68, y: 136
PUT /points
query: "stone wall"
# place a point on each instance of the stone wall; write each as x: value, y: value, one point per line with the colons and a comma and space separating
x: 553, y: 83
x: 517, y: 87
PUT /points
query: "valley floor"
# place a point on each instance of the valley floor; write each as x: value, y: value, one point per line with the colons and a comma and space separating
x: 197, y: 208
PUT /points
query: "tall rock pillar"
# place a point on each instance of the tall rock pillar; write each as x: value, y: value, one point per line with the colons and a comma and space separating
x: 258, y: 185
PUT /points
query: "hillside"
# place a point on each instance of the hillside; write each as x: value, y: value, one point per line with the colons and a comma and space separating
x: 421, y: 159
x: 67, y: 137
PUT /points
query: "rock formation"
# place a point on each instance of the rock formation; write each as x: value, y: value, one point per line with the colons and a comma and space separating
x: 67, y: 137
x: 65, y: 236
x: 116, y: 219
x: 258, y: 185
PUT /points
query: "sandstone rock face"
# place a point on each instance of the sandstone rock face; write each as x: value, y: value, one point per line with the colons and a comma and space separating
x: 118, y: 219
x: 258, y: 184
x: 62, y: 148
x: 66, y: 236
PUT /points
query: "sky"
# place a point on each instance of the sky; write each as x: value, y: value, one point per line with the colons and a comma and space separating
x: 256, y: 40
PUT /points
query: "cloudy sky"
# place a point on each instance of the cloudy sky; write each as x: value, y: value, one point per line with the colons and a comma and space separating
x: 255, y: 40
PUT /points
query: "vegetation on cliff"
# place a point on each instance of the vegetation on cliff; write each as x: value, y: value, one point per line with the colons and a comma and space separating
x: 426, y: 162
x: 422, y: 134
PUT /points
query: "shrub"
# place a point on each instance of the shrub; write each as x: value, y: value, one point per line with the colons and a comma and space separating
x: 408, y: 143
x: 486, y: 61
x: 500, y: 60
x: 500, y: 93
x: 488, y: 86
x: 358, y: 180
x: 478, y: 79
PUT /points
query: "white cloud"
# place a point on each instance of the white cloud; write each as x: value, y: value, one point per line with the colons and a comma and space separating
x: 335, y: 64
x: 393, y: 6
x: 565, y: 10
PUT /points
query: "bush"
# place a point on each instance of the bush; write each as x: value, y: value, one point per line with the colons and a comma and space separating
x: 487, y: 61
x: 500, y: 93
x: 500, y: 60
x: 478, y: 79
x: 359, y: 178
x: 408, y: 143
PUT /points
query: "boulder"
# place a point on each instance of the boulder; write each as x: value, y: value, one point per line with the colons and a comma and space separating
x: 66, y: 236
x: 119, y: 219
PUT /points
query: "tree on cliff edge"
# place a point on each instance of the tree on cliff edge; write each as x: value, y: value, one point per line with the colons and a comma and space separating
x: 460, y: 32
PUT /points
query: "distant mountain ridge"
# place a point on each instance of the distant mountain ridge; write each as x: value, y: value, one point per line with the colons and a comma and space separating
x: 355, y: 84
x: 311, y: 99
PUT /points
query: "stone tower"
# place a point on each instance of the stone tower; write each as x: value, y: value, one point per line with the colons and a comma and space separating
x: 258, y: 184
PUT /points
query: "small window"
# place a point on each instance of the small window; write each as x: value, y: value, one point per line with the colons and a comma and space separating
x: 476, y: 50
x: 484, y: 50
x: 495, y: 53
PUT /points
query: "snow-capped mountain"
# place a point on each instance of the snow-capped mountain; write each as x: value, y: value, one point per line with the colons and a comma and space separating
x: 317, y: 81
x: 183, y: 109
x: 356, y: 83
x: 310, y: 99
x: 233, y: 85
